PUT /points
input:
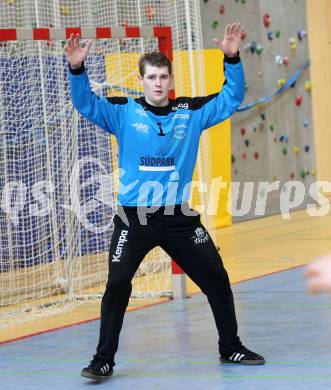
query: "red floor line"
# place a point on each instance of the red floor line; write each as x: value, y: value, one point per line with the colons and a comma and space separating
x: 75, y: 324
x: 134, y: 308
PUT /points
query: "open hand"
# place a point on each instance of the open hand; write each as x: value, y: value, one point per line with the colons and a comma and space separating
x: 75, y: 53
x: 232, y: 38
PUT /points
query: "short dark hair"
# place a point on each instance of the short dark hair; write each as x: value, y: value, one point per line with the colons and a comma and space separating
x: 154, y: 58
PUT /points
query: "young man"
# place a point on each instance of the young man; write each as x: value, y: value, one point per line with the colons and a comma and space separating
x: 158, y: 141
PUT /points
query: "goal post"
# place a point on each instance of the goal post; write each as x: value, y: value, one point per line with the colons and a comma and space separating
x: 57, y: 176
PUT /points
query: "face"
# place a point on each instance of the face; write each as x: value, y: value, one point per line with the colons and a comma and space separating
x: 156, y: 83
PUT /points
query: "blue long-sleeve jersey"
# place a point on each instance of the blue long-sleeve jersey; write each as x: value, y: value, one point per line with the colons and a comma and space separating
x: 158, y: 146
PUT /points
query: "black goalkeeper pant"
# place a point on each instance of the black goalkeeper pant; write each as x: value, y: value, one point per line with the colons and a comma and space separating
x: 186, y: 240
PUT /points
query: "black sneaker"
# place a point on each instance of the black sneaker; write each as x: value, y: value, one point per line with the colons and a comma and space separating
x: 97, y: 370
x: 243, y: 356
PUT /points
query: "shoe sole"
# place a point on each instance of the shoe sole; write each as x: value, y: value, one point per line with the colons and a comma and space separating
x: 95, y: 377
x: 245, y: 363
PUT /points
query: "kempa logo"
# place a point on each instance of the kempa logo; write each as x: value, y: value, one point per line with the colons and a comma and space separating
x: 121, y: 241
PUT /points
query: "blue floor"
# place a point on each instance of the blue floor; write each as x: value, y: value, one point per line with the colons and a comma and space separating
x: 174, y: 345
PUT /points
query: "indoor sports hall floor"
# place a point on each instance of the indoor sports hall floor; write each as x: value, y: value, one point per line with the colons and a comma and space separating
x: 174, y: 344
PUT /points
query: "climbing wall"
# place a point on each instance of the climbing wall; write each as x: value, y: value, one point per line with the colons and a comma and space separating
x: 272, y: 133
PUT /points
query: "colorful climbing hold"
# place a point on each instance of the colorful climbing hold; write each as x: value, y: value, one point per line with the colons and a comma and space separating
x: 259, y: 49
x: 243, y: 35
x: 242, y: 131
x: 308, y: 86
x: 266, y: 20
x: 279, y: 59
x: 293, y: 41
x: 254, y: 129
x: 247, y: 142
x: 252, y: 47
x: 303, y: 173
x: 307, y: 148
x: 256, y: 155
x: 284, y: 151
x: 286, y: 61
x: 302, y: 34
x: 313, y: 172
x: 263, y: 116
x: 215, y: 24
x: 233, y: 159
x: 272, y: 128
x: 298, y: 100
x: 244, y: 156
x: 296, y: 149
x: 306, y: 122
x: 222, y: 9
x: 293, y: 45
x: 281, y: 82
x: 270, y: 35
x: 292, y: 175
x: 286, y: 138
x: 277, y: 34
x: 281, y: 138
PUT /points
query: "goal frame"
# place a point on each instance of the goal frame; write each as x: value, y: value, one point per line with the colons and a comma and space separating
x: 163, y: 34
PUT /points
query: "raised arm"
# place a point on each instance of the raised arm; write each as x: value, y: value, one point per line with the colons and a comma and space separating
x: 218, y: 107
x: 99, y: 110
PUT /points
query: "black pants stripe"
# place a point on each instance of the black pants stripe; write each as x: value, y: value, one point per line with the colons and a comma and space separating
x: 186, y: 240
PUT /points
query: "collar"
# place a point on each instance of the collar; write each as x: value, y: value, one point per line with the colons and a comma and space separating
x: 165, y: 110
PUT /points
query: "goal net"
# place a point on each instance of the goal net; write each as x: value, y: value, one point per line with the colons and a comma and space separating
x: 58, y: 172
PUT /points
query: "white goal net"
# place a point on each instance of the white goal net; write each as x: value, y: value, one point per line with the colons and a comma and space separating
x: 57, y: 170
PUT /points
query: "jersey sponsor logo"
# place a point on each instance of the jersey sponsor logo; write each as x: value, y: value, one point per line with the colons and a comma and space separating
x: 181, y: 116
x: 150, y: 163
x: 179, y: 106
x: 121, y: 241
x: 180, y: 131
x: 140, y: 111
x: 141, y: 127
x: 201, y: 236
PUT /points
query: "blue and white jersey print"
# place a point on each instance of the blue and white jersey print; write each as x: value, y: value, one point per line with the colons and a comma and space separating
x: 158, y: 146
